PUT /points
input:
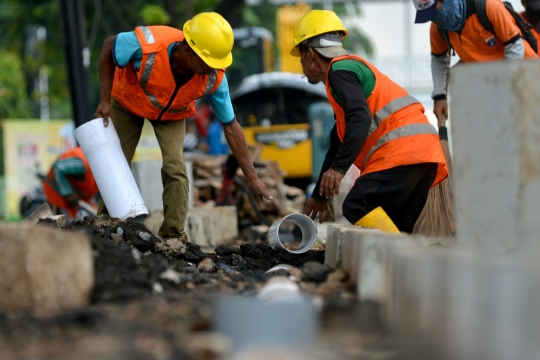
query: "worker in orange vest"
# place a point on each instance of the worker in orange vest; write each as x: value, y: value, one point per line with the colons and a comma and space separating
x: 532, y: 16
x: 68, y: 181
x: 379, y: 127
x: 157, y: 73
x: 456, y: 24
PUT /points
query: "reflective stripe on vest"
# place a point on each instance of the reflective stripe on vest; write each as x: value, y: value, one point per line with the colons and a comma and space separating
x: 407, y: 130
x: 147, y: 71
x: 390, y: 108
x: 212, y: 78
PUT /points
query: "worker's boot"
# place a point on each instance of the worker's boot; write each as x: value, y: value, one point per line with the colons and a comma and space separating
x: 225, y: 197
x: 378, y: 219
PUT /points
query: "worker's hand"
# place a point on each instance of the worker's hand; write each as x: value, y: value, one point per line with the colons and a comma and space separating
x: 330, y: 183
x: 103, y: 111
x: 314, y: 208
x: 441, y: 111
x: 72, y: 200
x: 258, y: 191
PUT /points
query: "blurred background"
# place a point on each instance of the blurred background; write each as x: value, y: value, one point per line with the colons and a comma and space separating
x: 49, y: 83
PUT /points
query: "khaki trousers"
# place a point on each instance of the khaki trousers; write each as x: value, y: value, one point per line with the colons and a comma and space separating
x: 170, y: 136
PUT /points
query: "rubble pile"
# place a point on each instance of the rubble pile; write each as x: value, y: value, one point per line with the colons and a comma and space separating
x: 130, y: 261
x: 207, y: 183
x: 154, y: 298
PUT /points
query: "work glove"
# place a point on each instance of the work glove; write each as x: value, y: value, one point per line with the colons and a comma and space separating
x: 72, y: 200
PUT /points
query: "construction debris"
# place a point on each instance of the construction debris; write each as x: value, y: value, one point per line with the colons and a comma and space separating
x: 207, y: 182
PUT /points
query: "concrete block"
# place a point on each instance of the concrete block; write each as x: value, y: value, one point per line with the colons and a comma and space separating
x: 44, y: 270
x: 212, y: 227
x: 495, y: 132
x: 465, y: 305
x: 147, y: 175
x: 365, y: 255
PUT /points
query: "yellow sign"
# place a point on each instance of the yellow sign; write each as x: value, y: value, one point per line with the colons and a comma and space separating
x: 30, y: 148
x: 289, y: 145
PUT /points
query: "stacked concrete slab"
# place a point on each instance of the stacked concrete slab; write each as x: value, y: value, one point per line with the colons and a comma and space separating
x: 496, y: 148
x: 365, y: 255
x: 480, y: 299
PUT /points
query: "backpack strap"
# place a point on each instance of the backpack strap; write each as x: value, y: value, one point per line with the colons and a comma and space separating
x: 481, y: 12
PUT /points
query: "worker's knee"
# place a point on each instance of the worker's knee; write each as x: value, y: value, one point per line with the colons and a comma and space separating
x: 174, y: 167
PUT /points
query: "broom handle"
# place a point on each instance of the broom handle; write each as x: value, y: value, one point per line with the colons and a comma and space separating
x: 442, y: 121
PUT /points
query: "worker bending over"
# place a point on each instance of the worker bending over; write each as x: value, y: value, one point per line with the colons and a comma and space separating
x: 157, y: 73
x: 379, y: 127
x: 456, y: 24
x: 68, y: 181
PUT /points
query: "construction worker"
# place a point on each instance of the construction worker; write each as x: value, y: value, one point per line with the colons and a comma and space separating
x: 458, y: 22
x: 532, y: 16
x: 379, y: 127
x: 157, y: 73
x: 68, y: 181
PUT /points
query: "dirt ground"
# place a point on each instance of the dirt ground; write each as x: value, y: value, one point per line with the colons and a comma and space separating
x: 150, y: 302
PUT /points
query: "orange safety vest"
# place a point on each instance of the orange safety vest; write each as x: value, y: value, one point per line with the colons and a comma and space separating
x: 85, y: 188
x: 151, y: 92
x: 400, y: 133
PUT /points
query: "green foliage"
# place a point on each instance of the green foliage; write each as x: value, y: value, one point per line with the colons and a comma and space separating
x: 103, y: 18
x: 14, y: 102
x: 154, y: 15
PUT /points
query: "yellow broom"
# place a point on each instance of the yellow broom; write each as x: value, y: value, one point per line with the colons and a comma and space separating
x: 437, y: 217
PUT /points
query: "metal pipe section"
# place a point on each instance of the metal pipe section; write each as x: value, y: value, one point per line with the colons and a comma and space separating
x: 306, y: 225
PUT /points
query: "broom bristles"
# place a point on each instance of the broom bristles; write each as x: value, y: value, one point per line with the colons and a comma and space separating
x: 437, y: 217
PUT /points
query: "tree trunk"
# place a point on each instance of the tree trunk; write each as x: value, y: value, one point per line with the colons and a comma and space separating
x: 232, y: 11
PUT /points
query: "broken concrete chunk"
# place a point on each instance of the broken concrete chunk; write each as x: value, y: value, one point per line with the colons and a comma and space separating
x: 136, y: 254
x: 207, y: 265
x: 44, y: 212
x: 145, y: 236
x: 171, y: 276
x: 105, y: 220
x: 44, y: 270
x: 171, y: 248
x: 117, y: 238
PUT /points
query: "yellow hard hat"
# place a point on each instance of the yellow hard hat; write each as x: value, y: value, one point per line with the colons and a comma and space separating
x: 316, y: 22
x: 211, y: 37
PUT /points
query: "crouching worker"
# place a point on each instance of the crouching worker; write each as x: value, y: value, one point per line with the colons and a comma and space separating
x: 70, y: 180
x: 379, y: 127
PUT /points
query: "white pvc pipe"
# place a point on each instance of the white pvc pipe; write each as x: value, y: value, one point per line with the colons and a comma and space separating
x: 116, y: 183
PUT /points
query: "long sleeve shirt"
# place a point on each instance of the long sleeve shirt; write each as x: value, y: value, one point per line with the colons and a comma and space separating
x: 351, y: 83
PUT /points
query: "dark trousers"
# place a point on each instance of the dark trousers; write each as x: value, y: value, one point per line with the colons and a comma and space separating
x: 401, y: 191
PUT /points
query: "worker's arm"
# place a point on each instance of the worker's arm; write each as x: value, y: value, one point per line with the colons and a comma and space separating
x: 118, y: 51
x: 106, y: 77
x: 317, y: 205
x: 440, y: 65
x: 349, y: 93
x: 515, y: 50
x: 220, y: 101
x: 237, y: 143
x: 506, y: 30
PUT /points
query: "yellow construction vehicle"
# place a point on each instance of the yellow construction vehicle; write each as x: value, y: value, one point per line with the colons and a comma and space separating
x: 271, y: 106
